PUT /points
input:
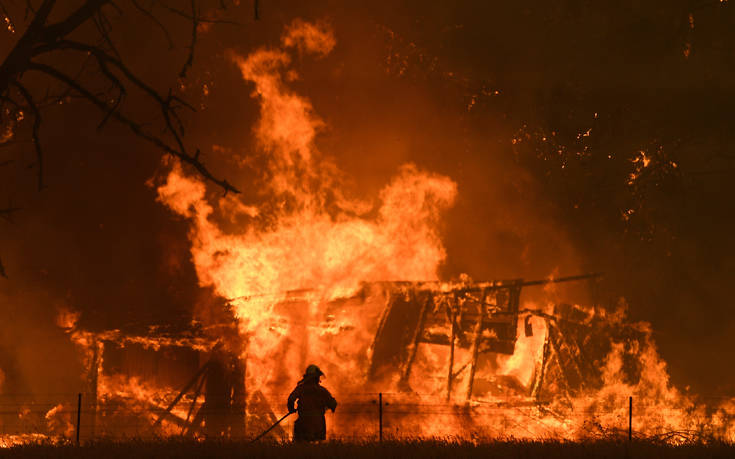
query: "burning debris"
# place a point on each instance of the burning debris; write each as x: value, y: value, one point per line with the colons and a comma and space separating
x: 481, y: 318
x: 474, y: 356
x: 463, y: 359
x: 162, y: 382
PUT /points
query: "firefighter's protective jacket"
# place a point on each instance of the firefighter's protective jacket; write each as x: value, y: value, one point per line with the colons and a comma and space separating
x: 313, y: 401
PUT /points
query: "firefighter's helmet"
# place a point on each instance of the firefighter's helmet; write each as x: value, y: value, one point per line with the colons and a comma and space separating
x: 313, y: 371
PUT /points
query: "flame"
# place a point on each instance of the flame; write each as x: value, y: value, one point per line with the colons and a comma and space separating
x: 304, y: 274
x: 319, y: 239
x: 67, y: 318
x: 311, y: 235
x: 142, y: 399
x: 59, y: 420
x: 309, y: 37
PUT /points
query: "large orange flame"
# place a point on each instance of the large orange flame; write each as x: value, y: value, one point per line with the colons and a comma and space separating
x: 316, y: 236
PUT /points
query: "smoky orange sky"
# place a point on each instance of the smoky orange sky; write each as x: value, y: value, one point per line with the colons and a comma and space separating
x: 445, y: 87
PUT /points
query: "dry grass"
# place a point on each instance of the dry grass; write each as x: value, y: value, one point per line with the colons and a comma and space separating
x: 139, y: 449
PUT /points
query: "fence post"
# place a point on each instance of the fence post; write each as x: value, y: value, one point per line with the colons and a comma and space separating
x: 630, y: 418
x: 79, y: 414
x: 380, y: 416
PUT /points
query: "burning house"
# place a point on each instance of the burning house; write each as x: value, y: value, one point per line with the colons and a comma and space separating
x: 312, y: 274
x: 480, y: 317
x: 447, y: 343
x: 132, y: 383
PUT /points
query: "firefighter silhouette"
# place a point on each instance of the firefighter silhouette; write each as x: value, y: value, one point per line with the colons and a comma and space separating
x: 313, y: 401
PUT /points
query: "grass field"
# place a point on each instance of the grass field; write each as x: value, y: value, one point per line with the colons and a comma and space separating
x: 389, y: 449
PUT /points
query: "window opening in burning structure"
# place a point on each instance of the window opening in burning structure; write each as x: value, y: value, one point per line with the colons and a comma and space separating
x: 480, y: 318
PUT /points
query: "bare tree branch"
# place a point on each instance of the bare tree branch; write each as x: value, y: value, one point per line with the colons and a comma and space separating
x: 40, y: 39
x: 194, y: 26
x: 136, y: 127
x: 36, y: 126
x: 19, y: 56
x: 200, y: 19
x: 155, y: 20
x: 61, y: 29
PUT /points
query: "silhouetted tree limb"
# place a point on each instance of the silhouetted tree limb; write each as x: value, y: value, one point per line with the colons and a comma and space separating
x: 42, y: 45
x: 41, y: 39
x: 166, y: 108
x: 36, y: 126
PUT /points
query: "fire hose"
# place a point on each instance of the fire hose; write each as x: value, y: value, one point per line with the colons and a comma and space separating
x: 272, y: 427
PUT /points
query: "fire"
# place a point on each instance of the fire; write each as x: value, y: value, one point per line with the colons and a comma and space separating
x: 311, y: 234
x: 143, y: 404
x: 59, y: 420
x: 8, y: 441
x: 308, y: 235
x: 312, y: 274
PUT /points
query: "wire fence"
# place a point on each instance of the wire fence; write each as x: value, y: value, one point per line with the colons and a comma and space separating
x: 359, y: 416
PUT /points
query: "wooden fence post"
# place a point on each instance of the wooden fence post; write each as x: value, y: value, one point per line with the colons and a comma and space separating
x: 380, y: 416
x: 630, y: 418
x: 79, y: 414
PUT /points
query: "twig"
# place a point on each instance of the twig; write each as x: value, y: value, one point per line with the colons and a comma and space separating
x: 40, y: 38
x: 136, y: 127
x: 194, y: 26
x: 36, y: 127
x: 155, y: 20
x: 200, y: 19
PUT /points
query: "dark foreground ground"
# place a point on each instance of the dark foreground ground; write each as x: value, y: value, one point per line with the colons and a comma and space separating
x: 405, y: 449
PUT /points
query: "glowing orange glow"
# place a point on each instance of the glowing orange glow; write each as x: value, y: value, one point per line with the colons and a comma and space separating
x: 332, y: 249
x: 308, y: 280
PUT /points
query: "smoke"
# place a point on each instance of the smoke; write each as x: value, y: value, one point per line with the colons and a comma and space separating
x: 317, y: 38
